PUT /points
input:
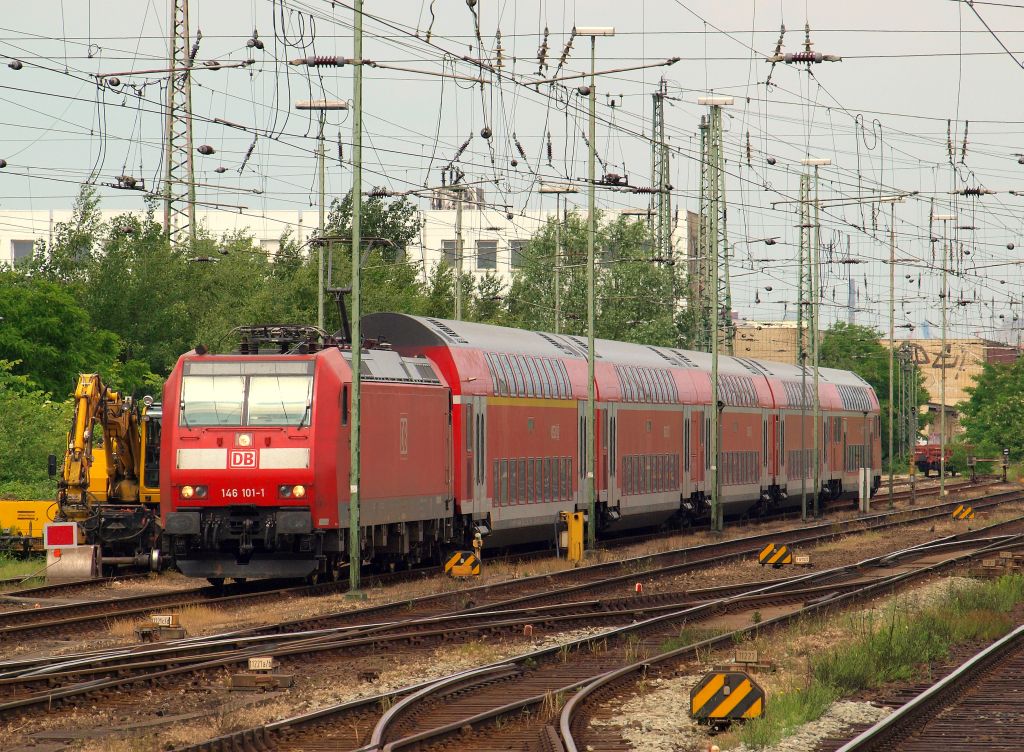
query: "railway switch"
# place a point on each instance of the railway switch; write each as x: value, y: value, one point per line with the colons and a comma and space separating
x: 775, y: 554
x: 721, y: 697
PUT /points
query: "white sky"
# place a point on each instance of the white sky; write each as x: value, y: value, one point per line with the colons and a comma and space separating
x: 909, y: 65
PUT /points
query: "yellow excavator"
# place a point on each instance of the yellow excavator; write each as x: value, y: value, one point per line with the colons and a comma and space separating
x: 110, y: 480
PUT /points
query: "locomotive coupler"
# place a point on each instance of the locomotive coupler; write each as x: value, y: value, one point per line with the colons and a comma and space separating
x: 245, y: 539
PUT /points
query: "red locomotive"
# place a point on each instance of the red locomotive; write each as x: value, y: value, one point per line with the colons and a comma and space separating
x: 928, y: 457
x: 473, y: 428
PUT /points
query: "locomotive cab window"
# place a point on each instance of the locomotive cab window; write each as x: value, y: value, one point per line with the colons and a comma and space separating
x: 255, y: 393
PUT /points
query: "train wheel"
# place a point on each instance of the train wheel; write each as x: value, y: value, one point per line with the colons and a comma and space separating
x: 217, y: 582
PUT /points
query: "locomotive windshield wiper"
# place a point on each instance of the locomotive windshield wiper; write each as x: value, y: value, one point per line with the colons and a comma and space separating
x: 308, y: 411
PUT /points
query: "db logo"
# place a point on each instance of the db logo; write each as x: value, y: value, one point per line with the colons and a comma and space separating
x: 242, y: 458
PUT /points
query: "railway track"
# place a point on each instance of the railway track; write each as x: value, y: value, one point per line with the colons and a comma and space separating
x: 499, y: 609
x: 64, y: 618
x: 514, y: 704
x: 526, y: 592
x: 56, y: 619
x: 976, y: 707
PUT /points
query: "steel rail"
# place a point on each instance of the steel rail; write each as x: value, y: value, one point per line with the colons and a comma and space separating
x: 573, y: 706
x: 266, y: 733
x: 916, y: 713
x: 240, y: 637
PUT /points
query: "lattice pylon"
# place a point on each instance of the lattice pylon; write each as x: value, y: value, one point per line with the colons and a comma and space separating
x: 179, y: 172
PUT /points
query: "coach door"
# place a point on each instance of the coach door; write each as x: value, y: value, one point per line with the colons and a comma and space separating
x: 610, y: 454
x: 474, y: 489
x: 698, y: 450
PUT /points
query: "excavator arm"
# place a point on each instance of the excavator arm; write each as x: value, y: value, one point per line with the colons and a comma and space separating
x: 79, y: 488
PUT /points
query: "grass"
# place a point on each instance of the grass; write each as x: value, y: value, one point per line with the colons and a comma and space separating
x: 688, y: 636
x: 11, y: 567
x: 195, y: 620
x: 897, y: 645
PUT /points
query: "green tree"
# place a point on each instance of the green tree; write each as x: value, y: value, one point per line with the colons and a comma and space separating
x: 48, y: 335
x: 994, y: 412
x: 31, y: 427
x: 143, y: 289
x: 635, y: 293
x: 70, y: 257
x: 857, y: 348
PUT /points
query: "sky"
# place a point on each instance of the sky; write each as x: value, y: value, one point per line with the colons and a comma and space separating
x: 916, y: 78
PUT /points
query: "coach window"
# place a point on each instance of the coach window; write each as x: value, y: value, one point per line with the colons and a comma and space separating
x: 521, y: 489
x: 538, y: 479
x: 653, y: 385
x: 520, y: 376
x: 535, y: 378
x: 502, y: 481
x: 549, y: 378
x: 564, y: 373
x: 506, y: 367
x: 520, y: 363
x: 529, y: 496
x: 468, y: 412
x: 497, y: 375
x: 513, y: 482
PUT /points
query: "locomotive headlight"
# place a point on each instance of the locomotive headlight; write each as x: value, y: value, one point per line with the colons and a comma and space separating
x: 243, y: 439
x: 291, y: 492
x: 201, y: 492
x: 284, y: 491
x: 299, y: 492
x: 187, y: 492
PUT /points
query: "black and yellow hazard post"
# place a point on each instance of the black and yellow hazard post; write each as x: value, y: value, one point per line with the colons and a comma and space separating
x: 725, y: 696
x: 463, y: 564
x: 963, y: 512
x: 776, y: 554
x: 571, y: 535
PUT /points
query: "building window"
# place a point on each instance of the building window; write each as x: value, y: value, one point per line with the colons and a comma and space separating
x: 448, y: 248
x: 487, y: 254
x: 21, y: 250
x: 270, y: 247
x: 516, y: 249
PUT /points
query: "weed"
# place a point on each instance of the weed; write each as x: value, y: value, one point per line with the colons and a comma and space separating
x: 756, y: 617
x: 898, y: 644
x: 552, y: 704
x: 687, y: 636
x: 789, y: 710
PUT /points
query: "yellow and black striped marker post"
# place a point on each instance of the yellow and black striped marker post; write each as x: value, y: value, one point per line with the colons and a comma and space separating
x: 776, y: 554
x: 463, y: 564
x: 963, y: 512
x: 723, y: 696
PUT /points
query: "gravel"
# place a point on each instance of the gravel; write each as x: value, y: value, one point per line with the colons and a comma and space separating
x: 657, y: 721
